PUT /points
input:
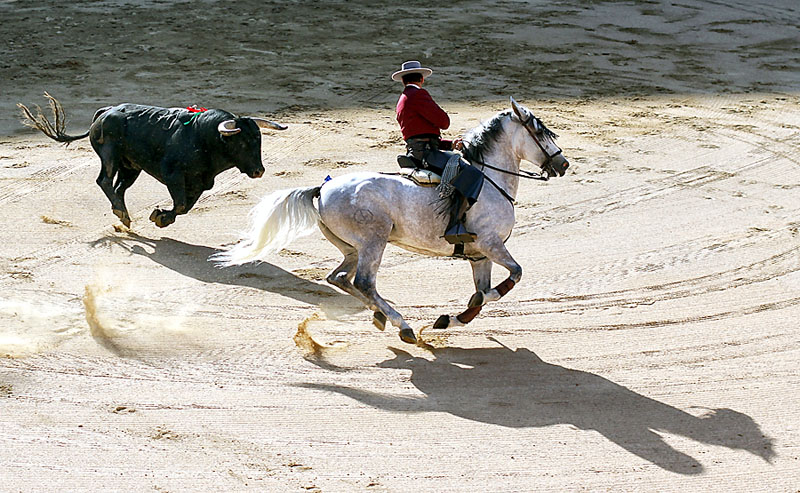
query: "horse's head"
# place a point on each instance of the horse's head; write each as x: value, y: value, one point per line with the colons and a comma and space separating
x: 539, y: 143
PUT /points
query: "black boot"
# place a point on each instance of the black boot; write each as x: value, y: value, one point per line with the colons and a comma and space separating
x: 406, y: 161
x: 456, y: 232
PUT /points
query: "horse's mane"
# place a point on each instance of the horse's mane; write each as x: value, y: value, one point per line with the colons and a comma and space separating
x: 479, y: 140
x: 482, y: 138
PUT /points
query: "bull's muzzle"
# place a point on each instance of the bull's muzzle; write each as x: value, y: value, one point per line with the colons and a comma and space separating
x: 256, y: 173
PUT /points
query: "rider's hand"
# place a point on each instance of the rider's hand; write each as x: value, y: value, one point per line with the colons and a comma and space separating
x: 458, y: 144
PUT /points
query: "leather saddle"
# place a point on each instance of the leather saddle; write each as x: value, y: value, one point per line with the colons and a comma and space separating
x: 422, y: 177
x: 468, y: 182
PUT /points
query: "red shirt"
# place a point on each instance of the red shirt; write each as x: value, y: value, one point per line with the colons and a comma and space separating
x: 418, y: 113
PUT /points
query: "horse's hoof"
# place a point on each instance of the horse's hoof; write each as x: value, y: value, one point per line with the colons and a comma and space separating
x: 442, y: 322
x: 476, y: 299
x: 154, y: 215
x: 407, y: 335
x: 379, y: 320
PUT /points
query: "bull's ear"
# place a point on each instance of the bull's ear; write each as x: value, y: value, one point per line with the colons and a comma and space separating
x: 264, y: 123
x: 519, y: 110
x: 228, y: 128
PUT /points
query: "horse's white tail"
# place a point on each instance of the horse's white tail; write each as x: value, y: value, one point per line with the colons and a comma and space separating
x: 280, y: 218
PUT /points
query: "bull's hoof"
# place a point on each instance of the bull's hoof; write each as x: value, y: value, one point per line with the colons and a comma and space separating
x: 442, y: 322
x: 407, y: 335
x: 162, y: 218
x: 163, y: 223
x: 477, y: 299
x: 379, y: 320
x: 123, y: 216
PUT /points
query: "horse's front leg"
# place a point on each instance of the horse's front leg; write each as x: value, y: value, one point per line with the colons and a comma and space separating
x: 482, y: 275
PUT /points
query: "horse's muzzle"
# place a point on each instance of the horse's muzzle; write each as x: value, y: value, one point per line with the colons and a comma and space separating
x: 557, y: 166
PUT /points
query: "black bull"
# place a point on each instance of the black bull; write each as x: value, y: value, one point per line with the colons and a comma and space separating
x: 185, y: 150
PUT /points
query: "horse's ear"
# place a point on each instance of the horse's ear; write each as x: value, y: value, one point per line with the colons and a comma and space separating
x: 521, y: 112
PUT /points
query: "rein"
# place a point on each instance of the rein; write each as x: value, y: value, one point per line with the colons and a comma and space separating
x: 522, y: 174
x: 500, y: 189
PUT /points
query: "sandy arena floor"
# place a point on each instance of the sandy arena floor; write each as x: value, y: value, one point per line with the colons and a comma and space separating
x: 652, y: 344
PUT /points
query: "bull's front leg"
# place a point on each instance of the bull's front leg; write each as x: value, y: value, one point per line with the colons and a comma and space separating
x: 176, y: 184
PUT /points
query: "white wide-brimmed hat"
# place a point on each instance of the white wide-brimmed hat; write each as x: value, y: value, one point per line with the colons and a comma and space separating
x: 411, y: 67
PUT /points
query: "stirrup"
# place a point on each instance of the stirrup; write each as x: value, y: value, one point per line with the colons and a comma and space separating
x: 459, y: 234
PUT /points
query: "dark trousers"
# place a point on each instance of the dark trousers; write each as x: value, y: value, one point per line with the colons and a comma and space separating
x: 426, y: 155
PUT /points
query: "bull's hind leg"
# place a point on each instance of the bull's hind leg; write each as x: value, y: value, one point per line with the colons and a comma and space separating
x: 125, y: 178
x: 110, y: 166
x: 495, y: 252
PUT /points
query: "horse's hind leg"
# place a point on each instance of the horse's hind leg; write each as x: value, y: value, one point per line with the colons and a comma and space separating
x: 369, y: 259
x: 342, y: 276
x: 363, y: 251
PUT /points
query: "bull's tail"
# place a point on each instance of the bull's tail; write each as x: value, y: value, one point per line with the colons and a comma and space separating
x: 276, y: 221
x: 53, y: 130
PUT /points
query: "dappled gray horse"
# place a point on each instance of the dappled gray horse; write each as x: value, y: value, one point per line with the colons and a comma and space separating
x: 361, y: 212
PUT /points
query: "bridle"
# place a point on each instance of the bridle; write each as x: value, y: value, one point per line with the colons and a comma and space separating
x: 534, y: 122
x: 547, y: 166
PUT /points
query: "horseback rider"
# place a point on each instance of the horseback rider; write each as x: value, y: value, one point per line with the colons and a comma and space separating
x: 421, y: 122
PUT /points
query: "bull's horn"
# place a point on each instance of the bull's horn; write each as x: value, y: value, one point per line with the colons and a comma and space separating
x: 264, y: 123
x: 228, y: 127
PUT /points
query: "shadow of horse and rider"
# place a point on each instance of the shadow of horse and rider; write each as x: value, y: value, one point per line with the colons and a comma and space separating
x: 500, y: 386
x: 517, y: 389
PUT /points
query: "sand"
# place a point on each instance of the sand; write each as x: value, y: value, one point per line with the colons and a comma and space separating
x: 652, y: 344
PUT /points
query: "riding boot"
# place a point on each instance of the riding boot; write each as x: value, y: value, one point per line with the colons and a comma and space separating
x: 408, y: 161
x: 456, y: 232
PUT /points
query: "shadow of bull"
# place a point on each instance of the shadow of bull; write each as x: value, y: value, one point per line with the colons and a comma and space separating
x: 192, y: 261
